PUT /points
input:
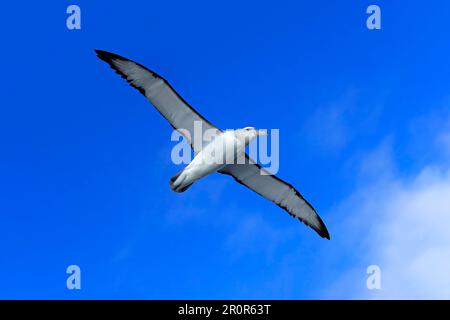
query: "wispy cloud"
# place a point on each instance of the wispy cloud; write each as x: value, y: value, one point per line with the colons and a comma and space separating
x: 254, y: 234
x: 334, y: 125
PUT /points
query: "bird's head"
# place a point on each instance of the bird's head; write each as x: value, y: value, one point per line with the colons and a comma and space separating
x: 248, y: 134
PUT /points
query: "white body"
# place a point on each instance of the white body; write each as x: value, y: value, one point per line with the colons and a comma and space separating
x: 226, y: 148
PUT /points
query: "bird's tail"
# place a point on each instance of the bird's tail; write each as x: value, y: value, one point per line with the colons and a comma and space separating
x: 177, y: 184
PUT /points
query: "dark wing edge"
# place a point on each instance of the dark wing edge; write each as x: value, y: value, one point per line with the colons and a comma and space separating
x: 109, y: 58
x: 321, y: 229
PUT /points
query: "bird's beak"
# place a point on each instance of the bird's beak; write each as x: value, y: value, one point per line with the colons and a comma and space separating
x: 262, y: 133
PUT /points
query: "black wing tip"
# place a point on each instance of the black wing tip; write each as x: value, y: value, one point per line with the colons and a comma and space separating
x: 325, y: 234
x: 107, y: 56
x: 322, y: 230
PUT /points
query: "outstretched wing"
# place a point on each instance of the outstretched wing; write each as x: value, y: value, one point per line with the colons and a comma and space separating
x: 161, y: 94
x: 278, y: 191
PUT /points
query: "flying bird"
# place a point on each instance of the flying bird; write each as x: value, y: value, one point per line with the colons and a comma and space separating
x: 184, y: 118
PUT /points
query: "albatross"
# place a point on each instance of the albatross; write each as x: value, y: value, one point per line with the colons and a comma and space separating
x: 184, y: 119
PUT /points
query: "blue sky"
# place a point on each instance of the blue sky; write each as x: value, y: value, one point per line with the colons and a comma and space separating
x: 364, y: 134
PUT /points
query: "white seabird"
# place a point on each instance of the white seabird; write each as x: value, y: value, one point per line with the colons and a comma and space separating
x: 182, y: 118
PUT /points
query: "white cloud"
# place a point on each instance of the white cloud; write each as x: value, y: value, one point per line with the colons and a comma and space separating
x: 406, y: 231
x: 412, y: 242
